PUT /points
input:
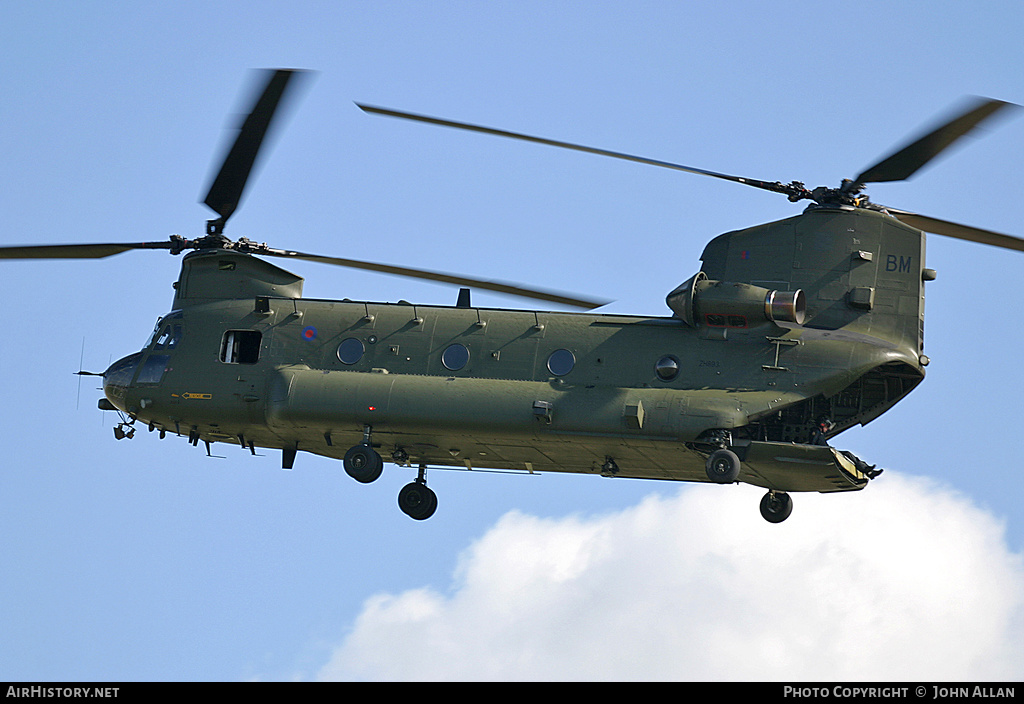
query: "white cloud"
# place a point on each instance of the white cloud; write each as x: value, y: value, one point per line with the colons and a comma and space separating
x: 902, y: 581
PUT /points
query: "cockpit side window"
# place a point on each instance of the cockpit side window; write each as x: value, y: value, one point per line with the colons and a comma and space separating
x: 152, y: 338
x: 169, y: 337
x: 241, y: 346
x: 167, y: 333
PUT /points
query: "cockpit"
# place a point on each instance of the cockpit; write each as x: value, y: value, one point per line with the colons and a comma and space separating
x: 154, y: 358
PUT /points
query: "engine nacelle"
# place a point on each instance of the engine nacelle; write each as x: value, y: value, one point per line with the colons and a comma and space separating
x: 723, y: 304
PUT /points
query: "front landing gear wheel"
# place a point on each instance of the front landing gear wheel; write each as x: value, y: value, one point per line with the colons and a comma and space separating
x: 723, y: 466
x: 363, y: 464
x: 776, y: 506
x: 417, y: 501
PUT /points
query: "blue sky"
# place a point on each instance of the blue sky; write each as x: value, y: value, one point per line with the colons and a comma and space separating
x: 146, y: 560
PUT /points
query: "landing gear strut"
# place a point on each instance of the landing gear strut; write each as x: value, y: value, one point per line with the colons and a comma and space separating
x: 362, y: 462
x: 416, y: 499
x: 723, y: 466
x: 776, y: 506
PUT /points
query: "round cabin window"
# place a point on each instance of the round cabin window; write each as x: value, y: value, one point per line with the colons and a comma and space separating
x: 667, y: 368
x: 455, y: 357
x: 561, y: 362
x: 350, y: 350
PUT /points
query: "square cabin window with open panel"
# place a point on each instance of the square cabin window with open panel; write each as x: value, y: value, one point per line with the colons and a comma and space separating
x: 241, y: 346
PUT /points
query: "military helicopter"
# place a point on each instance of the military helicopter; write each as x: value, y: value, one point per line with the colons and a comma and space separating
x: 791, y: 333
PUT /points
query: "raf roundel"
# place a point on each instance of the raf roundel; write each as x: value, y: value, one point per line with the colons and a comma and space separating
x: 309, y: 333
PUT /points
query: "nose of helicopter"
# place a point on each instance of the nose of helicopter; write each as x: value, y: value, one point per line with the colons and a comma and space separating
x: 117, y: 378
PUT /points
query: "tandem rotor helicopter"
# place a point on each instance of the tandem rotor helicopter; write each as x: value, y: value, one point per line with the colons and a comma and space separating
x: 791, y: 332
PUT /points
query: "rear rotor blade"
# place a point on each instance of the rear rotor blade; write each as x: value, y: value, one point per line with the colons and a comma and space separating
x: 773, y: 186
x: 904, y: 162
x: 226, y: 190
x: 498, y: 286
x: 961, y: 232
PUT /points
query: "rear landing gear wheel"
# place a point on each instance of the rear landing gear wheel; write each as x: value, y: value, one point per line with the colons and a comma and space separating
x: 363, y: 464
x: 776, y: 506
x: 417, y: 501
x: 723, y: 466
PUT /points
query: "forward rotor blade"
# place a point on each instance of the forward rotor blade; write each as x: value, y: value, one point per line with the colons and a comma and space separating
x: 499, y: 286
x: 961, y: 232
x: 76, y: 251
x: 904, y: 162
x: 226, y: 190
x: 773, y: 186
